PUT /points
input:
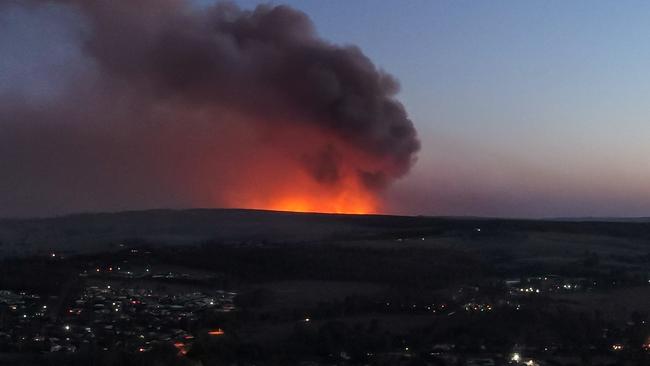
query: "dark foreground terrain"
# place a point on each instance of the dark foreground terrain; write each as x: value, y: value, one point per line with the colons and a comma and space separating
x: 238, y: 287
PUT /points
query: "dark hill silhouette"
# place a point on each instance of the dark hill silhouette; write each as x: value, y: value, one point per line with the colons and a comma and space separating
x: 96, y: 231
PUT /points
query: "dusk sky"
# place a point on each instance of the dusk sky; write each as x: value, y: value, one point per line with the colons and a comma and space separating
x: 523, y: 109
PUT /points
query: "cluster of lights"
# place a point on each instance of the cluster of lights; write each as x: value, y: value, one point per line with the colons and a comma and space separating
x: 530, y: 289
x: 478, y: 307
x: 516, y: 358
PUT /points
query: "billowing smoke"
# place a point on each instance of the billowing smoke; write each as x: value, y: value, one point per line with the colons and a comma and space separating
x: 129, y: 104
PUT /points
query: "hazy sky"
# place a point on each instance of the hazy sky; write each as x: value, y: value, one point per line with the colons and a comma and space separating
x: 525, y: 108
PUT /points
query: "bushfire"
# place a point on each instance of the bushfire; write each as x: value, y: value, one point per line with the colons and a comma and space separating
x: 303, y: 169
x: 217, y: 106
x: 348, y: 201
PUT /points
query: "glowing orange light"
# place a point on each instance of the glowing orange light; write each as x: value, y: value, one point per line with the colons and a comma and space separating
x: 340, y: 205
x: 302, y: 194
x: 305, y: 170
x: 216, y: 332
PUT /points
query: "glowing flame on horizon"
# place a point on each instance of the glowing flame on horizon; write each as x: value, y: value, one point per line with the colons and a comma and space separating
x: 336, y: 178
x: 304, y: 195
x: 317, y: 205
x: 216, y: 332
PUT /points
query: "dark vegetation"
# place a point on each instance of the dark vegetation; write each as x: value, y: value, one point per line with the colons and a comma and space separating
x: 377, y: 290
x: 419, y: 267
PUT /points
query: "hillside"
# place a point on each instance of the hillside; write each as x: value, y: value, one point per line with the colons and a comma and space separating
x: 101, y: 231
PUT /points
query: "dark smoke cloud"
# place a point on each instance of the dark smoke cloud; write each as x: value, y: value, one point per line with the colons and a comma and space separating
x: 324, y: 165
x: 155, y: 84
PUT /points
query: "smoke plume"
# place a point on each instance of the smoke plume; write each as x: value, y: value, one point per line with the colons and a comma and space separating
x: 109, y: 105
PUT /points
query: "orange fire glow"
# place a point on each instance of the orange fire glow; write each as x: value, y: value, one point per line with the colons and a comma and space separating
x: 344, y: 203
x: 280, y: 176
x: 216, y: 332
x: 301, y: 194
